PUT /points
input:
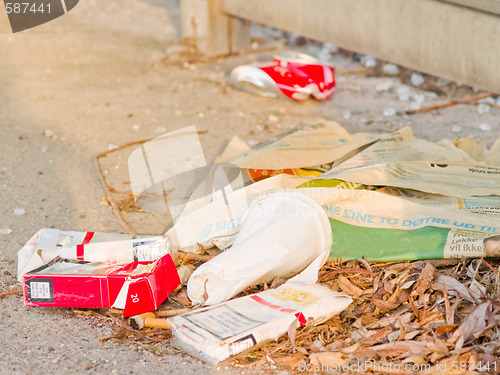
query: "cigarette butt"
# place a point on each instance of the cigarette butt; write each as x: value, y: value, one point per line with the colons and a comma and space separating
x: 147, y: 320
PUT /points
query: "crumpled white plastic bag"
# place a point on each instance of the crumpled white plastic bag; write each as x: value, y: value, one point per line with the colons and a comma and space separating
x: 281, y: 235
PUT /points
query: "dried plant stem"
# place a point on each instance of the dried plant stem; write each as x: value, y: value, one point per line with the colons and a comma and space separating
x: 186, y: 257
x: 19, y: 291
x: 464, y: 100
x: 114, y: 205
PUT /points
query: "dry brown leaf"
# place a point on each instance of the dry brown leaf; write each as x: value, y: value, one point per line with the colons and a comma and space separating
x: 445, y: 329
x: 401, y: 347
x: 404, y: 276
x: 172, y: 312
x: 348, y: 287
x: 431, y: 317
x: 453, y: 287
x: 331, y: 359
x: 424, y: 280
x: 370, y: 320
x: 182, y: 298
x: 395, y: 320
x: 351, y: 349
x: 411, y: 335
x: 408, y: 284
x: 439, y: 347
x: 290, y: 361
x: 292, y: 336
x: 385, y: 305
x: 335, y: 345
x: 474, y: 324
x: 418, y: 360
x: 395, y: 295
x: 449, y: 316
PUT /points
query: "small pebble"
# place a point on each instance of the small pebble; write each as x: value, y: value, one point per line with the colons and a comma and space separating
x: 415, y: 106
x: 485, y: 127
x: 252, y: 142
x: 136, y: 127
x: 403, y: 93
x: 417, y: 79
x: 419, y: 98
x: 483, y: 108
x: 282, y: 110
x: 456, y: 129
x: 346, y: 115
x: 19, y: 211
x: 369, y: 61
x: 49, y: 133
x: 317, y: 344
x: 5, y: 230
x: 178, y: 113
x: 273, y: 119
x: 325, y: 53
x: 487, y: 100
x: 385, y: 85
x: 390, y: 69
x: 389, y: 112
x: 201, y: 114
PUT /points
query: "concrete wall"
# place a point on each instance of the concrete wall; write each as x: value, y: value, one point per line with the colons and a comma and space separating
x: 436, y: 37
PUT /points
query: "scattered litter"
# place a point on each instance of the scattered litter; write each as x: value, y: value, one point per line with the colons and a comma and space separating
x: 484, y: 127
x: 136, y: 288
x: 19, y: 211
x: 351, y: 197
x: 285, y: 163
x: 483, y: 108
x: 390, y: 69
x: 147, y: 320
x: 417, y: 79
x: 5, y: 230
x: 292, y: 75
x: 218, y: 332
